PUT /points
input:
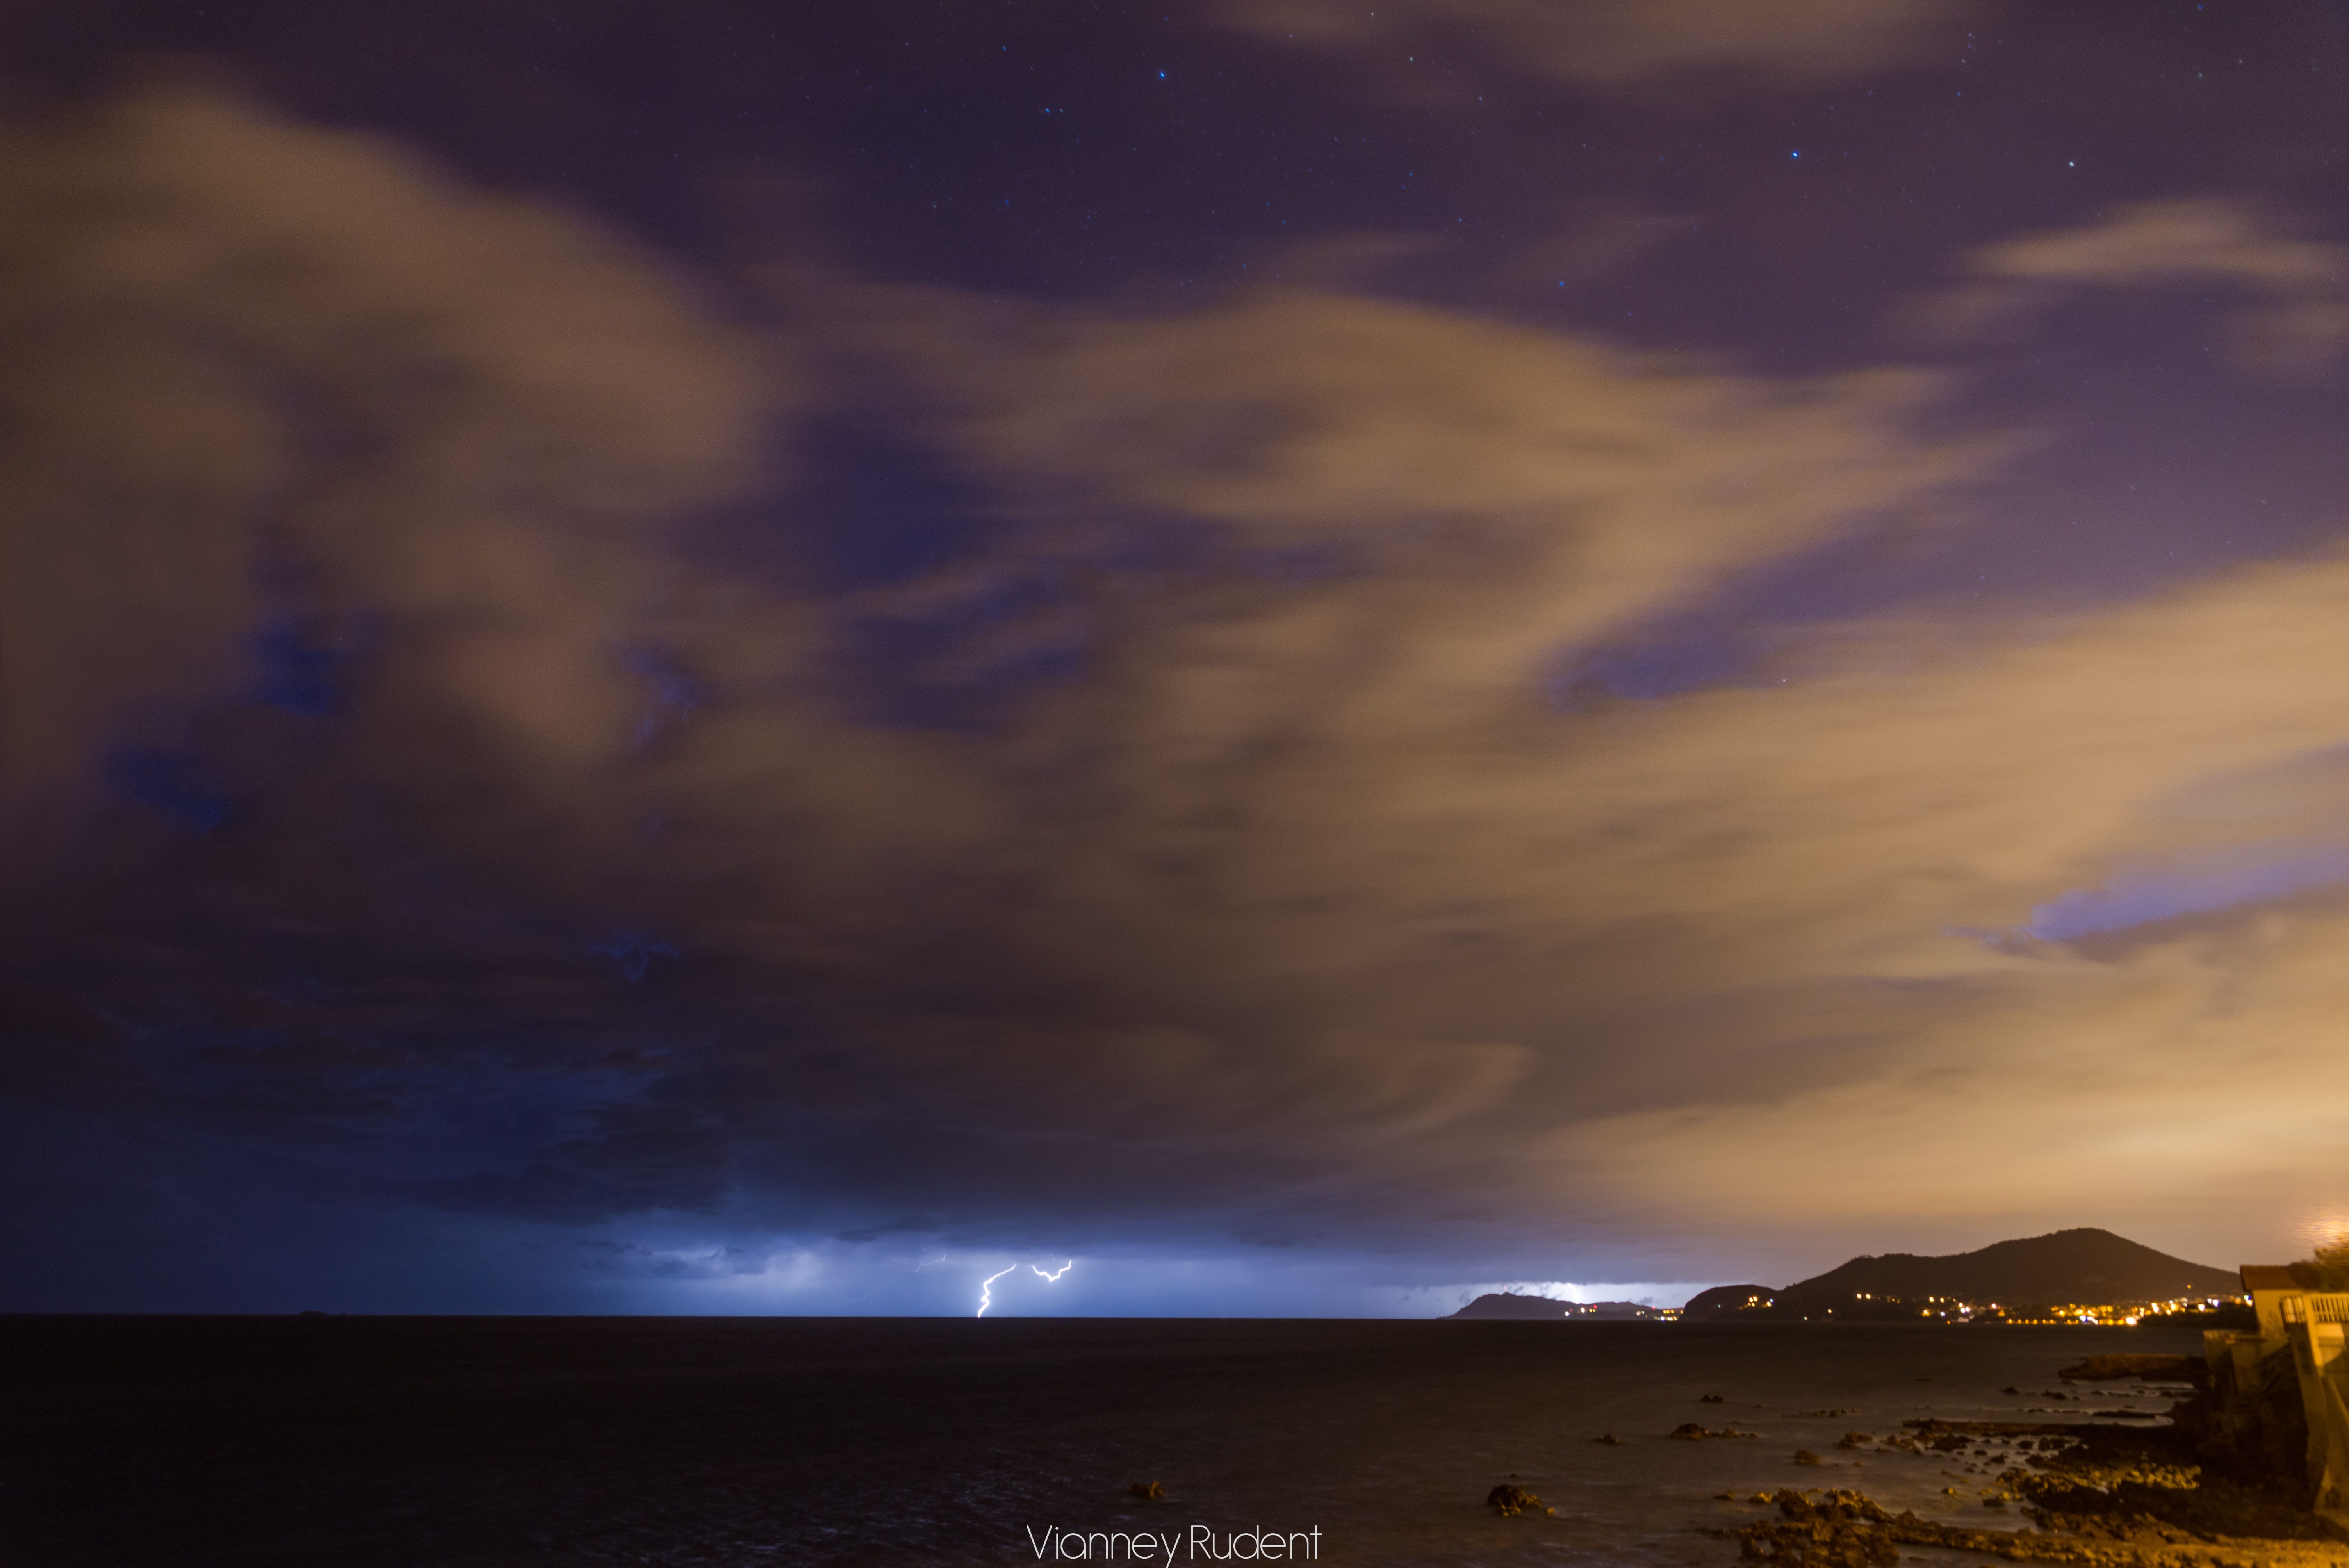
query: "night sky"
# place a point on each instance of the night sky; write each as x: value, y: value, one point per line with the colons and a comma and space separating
x: 743, y: 657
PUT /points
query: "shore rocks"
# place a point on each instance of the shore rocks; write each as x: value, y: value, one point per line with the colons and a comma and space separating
x: 1841, y: 1530
x: 1690, y: 1431
x: 1931, y: 1428
x: 2101, y: 1368
x: 2097, y: 1494
x: 2108, y: 1497
x: 1848, y: 1529
x: 1508, y: 1501
x: 1148, y: 1491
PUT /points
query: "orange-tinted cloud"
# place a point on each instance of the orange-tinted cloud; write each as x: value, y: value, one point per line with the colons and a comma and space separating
x: 2290, y: 307
x: 1765, y: 917
x: 230, y: 337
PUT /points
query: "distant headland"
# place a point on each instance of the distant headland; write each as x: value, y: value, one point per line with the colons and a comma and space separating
x: 1508, y: 1305
x: 2066, y: 1276
x: 2081, y: 1275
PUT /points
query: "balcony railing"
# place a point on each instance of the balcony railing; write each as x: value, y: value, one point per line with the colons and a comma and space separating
x: 2314, y: 1307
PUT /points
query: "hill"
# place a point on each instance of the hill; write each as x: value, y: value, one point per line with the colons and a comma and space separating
x: 1509, y: 1304
x: 1723, y: 1300
x: 1542, y: 1309
x: 2084, y: 1266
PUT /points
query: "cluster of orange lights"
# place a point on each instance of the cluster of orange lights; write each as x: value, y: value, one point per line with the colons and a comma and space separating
x: 1959, y: 1309
x: 2101, y: 1314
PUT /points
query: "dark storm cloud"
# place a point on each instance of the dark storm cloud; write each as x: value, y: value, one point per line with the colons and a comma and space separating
x: 285, y: 402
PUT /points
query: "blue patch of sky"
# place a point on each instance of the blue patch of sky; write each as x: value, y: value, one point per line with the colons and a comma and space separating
x: 946, y: 669
x: 294, y: 670
x: 1672, y: 660
x: 882, y: 510
x: 2142, y: 897
x: 172, y: 783
x: 670, y: 693
x: 632, y: 952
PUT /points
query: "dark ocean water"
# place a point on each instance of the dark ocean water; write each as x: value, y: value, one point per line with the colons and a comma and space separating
x: 126, y: 1442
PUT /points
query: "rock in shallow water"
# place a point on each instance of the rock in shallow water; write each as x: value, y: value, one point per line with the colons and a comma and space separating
x: 2099, y: 1369
x: 1841, y: 1530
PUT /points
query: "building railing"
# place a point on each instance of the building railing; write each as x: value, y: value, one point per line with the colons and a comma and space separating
x: 2314, y: 1307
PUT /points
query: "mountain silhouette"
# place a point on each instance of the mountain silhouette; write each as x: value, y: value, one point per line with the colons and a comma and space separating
x: 2084, y: 1265
x: 1508, y: 1305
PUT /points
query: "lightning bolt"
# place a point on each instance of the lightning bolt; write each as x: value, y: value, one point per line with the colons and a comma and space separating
x: 987, y: 1285
x: 987, y: 1289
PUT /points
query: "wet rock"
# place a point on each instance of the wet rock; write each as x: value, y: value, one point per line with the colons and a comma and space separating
x: 2111, y: 1498
x: 1804, y: 1457
x: 1609, y: 1439
x: 2100, y: 1369
x: 1841, y: 1530
x: 1508, y: 1501
x: 1148, y: 1491
x: 1689, y: 1431
x: 1851, y: 1439
x: 1711, y: 1399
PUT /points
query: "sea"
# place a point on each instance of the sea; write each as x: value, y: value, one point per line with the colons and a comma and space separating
x: 422, y: 1442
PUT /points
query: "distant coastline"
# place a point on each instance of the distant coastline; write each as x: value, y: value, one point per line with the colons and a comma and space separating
x: 2082, y: 1276
x: 1509, y: 1305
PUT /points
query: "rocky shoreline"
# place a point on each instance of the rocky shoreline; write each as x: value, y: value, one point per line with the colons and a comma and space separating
x: 1846, y: 1530
x: 2096, y: 1493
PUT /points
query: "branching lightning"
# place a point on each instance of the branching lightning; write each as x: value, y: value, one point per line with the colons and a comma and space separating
x: 987, y: 1285
x: 987, y: 1289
